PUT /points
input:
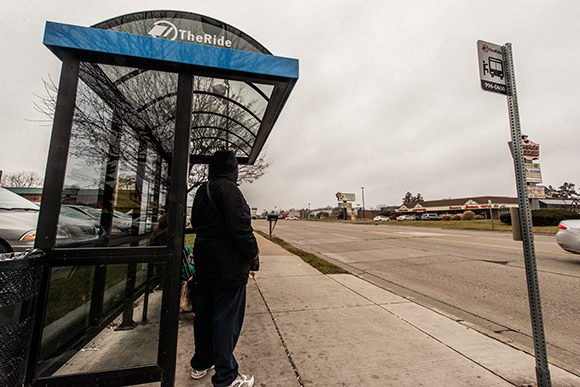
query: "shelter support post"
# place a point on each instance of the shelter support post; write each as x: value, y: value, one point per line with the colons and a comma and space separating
x: 178, y: 192
x: 57, y: 160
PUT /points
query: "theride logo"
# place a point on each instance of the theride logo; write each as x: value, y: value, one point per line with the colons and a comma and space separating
x: 167, y: 30
x: 164, y: 29
x: 486, y: 49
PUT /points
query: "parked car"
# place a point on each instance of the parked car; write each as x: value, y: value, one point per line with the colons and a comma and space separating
x: 406, y: 217
x: 143, y: 225
x: 18, y: 220
x: 291, y: 218
x: 381, y: 218
x: 568, y: 236
x: 430, y: 217
x: 121, y: 223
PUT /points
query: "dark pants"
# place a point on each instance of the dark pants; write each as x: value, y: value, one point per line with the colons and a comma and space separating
x: 219, y: 315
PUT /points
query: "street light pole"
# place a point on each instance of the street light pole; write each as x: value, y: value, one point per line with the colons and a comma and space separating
x: 363, y: 200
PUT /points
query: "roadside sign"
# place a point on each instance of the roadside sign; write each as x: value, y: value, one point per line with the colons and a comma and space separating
x: 345, y: 205
x: 531, y: 149
x: 345, y: 197
x: 536, y: 192
x: 533, y: 173
x: 491, y: 67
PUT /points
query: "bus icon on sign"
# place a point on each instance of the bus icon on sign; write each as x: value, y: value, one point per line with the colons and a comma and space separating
x: 495, y: 67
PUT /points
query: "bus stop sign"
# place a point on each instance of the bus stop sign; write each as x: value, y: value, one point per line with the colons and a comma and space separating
x: 491, y: 67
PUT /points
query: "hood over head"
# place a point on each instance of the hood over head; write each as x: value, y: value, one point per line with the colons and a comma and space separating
x: 224, y: 164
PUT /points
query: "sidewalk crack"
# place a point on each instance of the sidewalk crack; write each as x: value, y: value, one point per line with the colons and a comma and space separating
x: 279, y: 335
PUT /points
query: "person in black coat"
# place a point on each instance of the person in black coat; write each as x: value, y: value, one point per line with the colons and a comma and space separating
x: 225, y: 247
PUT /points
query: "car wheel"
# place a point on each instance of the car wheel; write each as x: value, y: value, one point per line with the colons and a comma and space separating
x: 5, y: 248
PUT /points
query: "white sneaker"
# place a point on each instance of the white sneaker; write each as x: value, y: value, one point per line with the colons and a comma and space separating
x: 243, y: 381
x: 195, y: 374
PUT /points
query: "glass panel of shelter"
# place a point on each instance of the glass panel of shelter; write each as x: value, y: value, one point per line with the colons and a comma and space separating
x: 116, y: 186
x: 73, y: 342
x: 120, y: 151
x: 118, y: 170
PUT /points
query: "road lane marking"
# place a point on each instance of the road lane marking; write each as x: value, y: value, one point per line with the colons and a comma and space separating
x: 420, y: 234
x: 345, y: 236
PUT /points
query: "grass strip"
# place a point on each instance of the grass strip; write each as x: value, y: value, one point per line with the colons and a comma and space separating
x: 316, y: 262
x: 462, y: 224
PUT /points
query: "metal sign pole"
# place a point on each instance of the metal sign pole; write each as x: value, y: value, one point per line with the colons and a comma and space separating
x: 542, y: 371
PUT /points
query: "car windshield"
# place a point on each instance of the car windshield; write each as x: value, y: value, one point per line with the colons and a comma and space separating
x: 93, y: 211
x: 11, y: 201
x: 72, y: 213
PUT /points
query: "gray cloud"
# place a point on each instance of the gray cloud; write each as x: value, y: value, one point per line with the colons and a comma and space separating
x: 388, y: 96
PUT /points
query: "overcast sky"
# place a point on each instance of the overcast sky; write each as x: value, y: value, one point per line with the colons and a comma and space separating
x: 388, y: 99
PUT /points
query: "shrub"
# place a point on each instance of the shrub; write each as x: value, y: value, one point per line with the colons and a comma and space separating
x: 446, y: 217
x: 552, y: 217
x: 456, y: 217
x: 506, y: 218
x: 468, y: 215
x: 478, y: 217
x: 544, y: 217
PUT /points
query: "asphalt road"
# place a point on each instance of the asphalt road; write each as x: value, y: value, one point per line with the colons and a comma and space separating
x: 478, y: 276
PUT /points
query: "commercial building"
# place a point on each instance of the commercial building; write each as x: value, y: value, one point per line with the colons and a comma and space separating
x: 480, y: 205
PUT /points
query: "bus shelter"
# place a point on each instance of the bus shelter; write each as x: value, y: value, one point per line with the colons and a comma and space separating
x: 141, y: 99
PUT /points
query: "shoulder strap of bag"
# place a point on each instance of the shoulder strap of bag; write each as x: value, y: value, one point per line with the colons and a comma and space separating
x: 211, y: 200
x: 185, y: 265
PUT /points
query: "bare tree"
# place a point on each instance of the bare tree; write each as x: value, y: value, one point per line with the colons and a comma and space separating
x: 25, y: 179
x: 219, y: 117
x: 198, y: 173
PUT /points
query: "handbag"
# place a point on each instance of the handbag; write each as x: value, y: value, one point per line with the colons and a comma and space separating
x: 255, y: 262
x: 185, y: 299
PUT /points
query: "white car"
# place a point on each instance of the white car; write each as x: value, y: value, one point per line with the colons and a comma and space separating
x: 568, y: 236
x: 18, y: 219
x: 291, y: 218
x: 381, y: 218
x: 406, y: 217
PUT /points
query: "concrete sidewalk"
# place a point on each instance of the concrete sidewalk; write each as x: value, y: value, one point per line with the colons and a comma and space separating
x: 311, y: 329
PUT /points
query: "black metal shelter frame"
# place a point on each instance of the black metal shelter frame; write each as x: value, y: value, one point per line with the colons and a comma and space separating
x: 133, y: 111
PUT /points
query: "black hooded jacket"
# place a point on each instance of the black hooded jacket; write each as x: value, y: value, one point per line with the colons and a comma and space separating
x: 225, y: 243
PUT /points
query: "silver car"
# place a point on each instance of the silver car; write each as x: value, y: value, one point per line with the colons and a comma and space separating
x: 568, y: 235
x: 18, y: 219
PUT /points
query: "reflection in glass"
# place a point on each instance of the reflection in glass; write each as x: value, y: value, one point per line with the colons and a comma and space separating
x: 119, y: 156
x: 121, y: 147
x: 227, y: 115
x: 89, y: 308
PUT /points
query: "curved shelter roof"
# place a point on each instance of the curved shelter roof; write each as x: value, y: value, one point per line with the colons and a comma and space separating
x: 239, y: 86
